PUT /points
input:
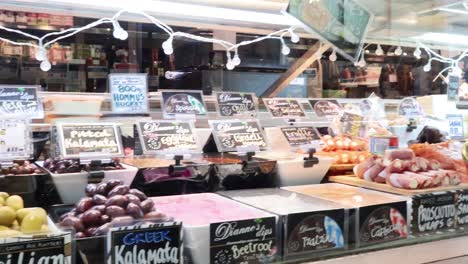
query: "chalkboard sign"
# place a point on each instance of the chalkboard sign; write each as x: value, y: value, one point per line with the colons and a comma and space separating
x: 57, y: 249
x: 129, y: 93
x: 284, y: 108
x: 20, y: 102
x: 152, y: 243
x: 181, y: 102
x: 236, y: 104
x: 299, y: 136
x: 244, y: 241
x: 89, y: 140
x: 462, y: 207
x: 433, y: 212
x: 410, y: 108
x: 234, y: 135
x: 353, y: 125
x: 161, y: 136
x: 382, y: 223
x: 316, y: 231
x: 325, y: 108
x: 15, y: 139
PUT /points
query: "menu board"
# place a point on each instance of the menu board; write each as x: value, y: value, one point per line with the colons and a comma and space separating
x: 89, y: 140
x: 342, y: 23
x: 182, y: 102
x: 129, y: 93
x: 433, y: 212
x: 160, y: 136
x: 353, y: 125
x: 56, y: 249
x: 244, y: 242
x: 326, y: 108
x: 284, y: 108
x: 15, y: 139
x: 20, y: 102
x: 317, y: 231
x: 234, y: 135
x: 409, y: 107
x: 236, y: 104
x: 300, y: 136
x: 150, y: 243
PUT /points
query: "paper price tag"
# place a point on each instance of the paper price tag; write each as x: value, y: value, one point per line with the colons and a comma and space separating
x: 15, y: 140
x: 129, y: 93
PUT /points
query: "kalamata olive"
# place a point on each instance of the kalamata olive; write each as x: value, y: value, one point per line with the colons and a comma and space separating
x: 118, y: 200
x: 114, y: 183
x: 91, y: 231
x: 74, y: 169
x: 134, y: 211
x: 84, y: 204
x: 52, y: 168
x: 73, y: 222
x: 90, y: 189
x: 121, y: 189
x: 122, y: 221
x: 80, y: 235
x: 138, y: 194
x: 67, y: 163
x: 99, y: 199
x: 147, y: 205
x: 105, y: 219
x: 47, y: 163
x: 102, y: 189
x: 133, y: 199
x: 155, y: 216
x: 66, y: 215
x: 115, y: 211
x: 101, y: 208
x: 102, y: 230
x: 91, y: 218
x: 14, y: 170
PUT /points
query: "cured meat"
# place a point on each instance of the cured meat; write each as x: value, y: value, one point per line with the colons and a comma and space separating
x: 396, y: 166
x: 434, y: 164
x: 372, y: 173
x: 423, y: 181
x: 413, y: 166
x: 402, y: 181
x: 403, y: 154
x: 436, y: 179
x: 362, y: 167
x: 422, y: 163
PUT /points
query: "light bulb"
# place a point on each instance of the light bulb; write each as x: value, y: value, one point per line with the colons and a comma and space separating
x: 45, y: 65
x: 167, y: 46
x: 119, y: 32
x: 236, y: 60
x: 379, y: 51
x: 294, y: 37
x: 417, y: 52
x: 285, y: 50
x: 230, y: 65
x: 362, y: 63
x: 427, y: 67
x: 41, y: 54
x: 398, y: 51
x: 333, y: 56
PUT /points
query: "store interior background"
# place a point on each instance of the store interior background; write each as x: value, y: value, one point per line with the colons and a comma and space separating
x: 82, y: 62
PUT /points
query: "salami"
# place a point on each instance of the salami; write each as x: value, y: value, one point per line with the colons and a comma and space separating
x: 402, y: 154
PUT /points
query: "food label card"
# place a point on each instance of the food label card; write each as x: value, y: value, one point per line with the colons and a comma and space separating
x: 89, y: 140
x: 15, y: 139
x: 152, y: 243
x: 20, y: 102
x: 326, y: 108
x: 353, y: 125
x: 181, y: 102
x: 129, y: 93
x: 244, y: 242
x: 235, y: 135
x: 57, y: 249
x: 410, y: 108
x: 300, y: 136
x: 462, y: 207
x: 433, y: 212
x: 161, y: 136
x: 236, y: 104
x: 456, y: 130
x: 284, y: 108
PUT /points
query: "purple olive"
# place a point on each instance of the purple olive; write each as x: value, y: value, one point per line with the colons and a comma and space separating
x: 121, y: 189
x: 118, y: 200
x: 147, y: 205
x: 102, y: 230
x: 101, y: 208
x: 138, y: 194
x: 114, y: 183
x: 90, y: 231
x: 84, y: 204
x: 73, y: 222
x: 102, y: 189
x: 91, y: 218
x: 134, y: 211
x: 80, y: 235
x: 105, y: 219
x: 115, y: 211
x: 99, y: 199
x: 122, y: 221
x: 67, y: 215
x: 133, y: 199
x: 90, y: 190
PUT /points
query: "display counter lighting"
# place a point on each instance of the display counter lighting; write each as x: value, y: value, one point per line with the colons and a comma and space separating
x: 379, y: 51
x: 333, y: 56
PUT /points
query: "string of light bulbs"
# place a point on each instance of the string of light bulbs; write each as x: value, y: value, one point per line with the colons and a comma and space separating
x: 119, y: 33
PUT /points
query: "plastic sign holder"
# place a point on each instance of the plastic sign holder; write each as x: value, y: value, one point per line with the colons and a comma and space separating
x: 236, y: 104
x: 176, y: 103
x: 242, y: 136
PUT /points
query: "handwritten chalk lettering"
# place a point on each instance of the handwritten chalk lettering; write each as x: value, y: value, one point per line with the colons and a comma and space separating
x: 228, y: 230
x: 435, y: 217
x: 178, y: 139
x: 90, y: 134
x: 157, y: 127
x: 12, y: 95
x: 19, y: 107
x: 22, y: 258
x: 317, y: 240
x: 166, y: 254
x: 147, y: 237
x: 90, y: 143
x: 306, y: 228
x: 383, y: 231
x: 251, y: 248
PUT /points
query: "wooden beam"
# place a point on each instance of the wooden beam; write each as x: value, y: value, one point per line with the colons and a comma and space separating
x: 312, y: 54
